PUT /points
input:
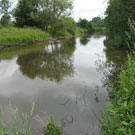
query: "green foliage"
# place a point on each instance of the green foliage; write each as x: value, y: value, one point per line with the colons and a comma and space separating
x: 52, y: 128
x: 62, y: 33
x: 5, y: 20
x: 97, y: 22
x: 79, y: 30
x: 120, y: 118
x: 4, y: 7
x: 85, y: 24
x: 64, y: 25
x: 41, y: 13
x: 23, y: 13
x: 99, y: 30
x: 4, y: 11
x: 15, y: 127
x: 117, y: 13
x: 14, y: 35
x: 131, y: 34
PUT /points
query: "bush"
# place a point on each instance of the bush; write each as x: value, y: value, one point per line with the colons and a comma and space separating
x: 52, y: 128
x: 100, y: 30
x: 120, y: 117
x: 62, y: 33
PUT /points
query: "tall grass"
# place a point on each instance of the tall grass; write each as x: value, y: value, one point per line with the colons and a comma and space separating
x: 120, y: 116
x: 15, y: 35
x: 18, y: 125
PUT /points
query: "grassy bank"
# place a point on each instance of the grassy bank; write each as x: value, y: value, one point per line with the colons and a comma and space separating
x: 19, y: 35
x: 120, y: 118
x: 15, y: 35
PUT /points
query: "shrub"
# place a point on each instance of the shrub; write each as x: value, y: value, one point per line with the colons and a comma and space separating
x: 120, y: 116
x: 52, y: 128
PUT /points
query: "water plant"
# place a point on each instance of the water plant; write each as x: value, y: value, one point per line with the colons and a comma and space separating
x: 18, y: 124
x: 52, y: 128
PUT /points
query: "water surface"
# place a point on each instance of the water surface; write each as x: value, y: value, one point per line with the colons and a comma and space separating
x: 66, y: 79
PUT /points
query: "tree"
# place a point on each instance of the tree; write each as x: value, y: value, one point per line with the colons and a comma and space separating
x: 41, y: 13
x: 4, y: 11
x: 117, y: 15
x: 65, y: 24
x: 4, y: 7
x: 52, y: 10
x: 97, y: 22
x: 96, y: 19
x: 5, y: 20
x: 85, y: 24
x: 24, y: 13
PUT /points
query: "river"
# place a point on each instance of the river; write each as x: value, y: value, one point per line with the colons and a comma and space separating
x: 65, y: 79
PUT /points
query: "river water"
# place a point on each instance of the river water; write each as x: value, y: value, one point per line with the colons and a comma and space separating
x: 65, y: 79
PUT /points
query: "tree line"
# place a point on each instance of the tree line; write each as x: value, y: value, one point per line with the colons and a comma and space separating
x: 120, y: 15
x: 49, y: 15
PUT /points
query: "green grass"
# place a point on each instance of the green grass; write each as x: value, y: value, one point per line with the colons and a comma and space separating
x: 120, y: 116
x: 15, y: 35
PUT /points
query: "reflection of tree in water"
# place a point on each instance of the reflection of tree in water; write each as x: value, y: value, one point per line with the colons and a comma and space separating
x: 54, y: 62
x: 111, y: 67
x: 85, y: 39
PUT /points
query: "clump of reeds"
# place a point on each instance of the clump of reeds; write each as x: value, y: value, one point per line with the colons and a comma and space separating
x: 18, y: 125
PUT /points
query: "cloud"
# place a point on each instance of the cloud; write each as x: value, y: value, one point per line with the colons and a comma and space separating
x: 88, y: 8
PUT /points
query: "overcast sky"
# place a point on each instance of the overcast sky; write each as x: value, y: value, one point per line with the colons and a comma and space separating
x: 85, y: 8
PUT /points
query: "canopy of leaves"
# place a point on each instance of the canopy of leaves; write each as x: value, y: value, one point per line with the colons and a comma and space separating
x: 118, y: 13
x: 4, y: 7
x: 41, y: 13
x: 4, y: 11
x: 85, y: 24
x: 65, y: 24
x: 97, y: 22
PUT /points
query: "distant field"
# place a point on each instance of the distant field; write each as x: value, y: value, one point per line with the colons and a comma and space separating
x: 15, y: 35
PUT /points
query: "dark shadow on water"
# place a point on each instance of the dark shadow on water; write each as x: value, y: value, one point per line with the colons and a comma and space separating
x: 85, y: 39
x: 111, y: 67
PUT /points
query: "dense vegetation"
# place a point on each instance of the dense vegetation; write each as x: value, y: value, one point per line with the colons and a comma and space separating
x: 98, y: 25
x: 44, y: 17
x: 120, y: 114
x: 15, y: 35
x: 118, y: 13
x: 86, y: 25
x: 121, y: 110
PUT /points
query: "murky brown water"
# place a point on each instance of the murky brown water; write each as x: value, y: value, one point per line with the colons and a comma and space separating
x: 65, y: 79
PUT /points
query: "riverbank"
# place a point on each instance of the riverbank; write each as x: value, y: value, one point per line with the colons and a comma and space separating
x: 120, y: 113
x: 12, y: 37
x: 34, y: 42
